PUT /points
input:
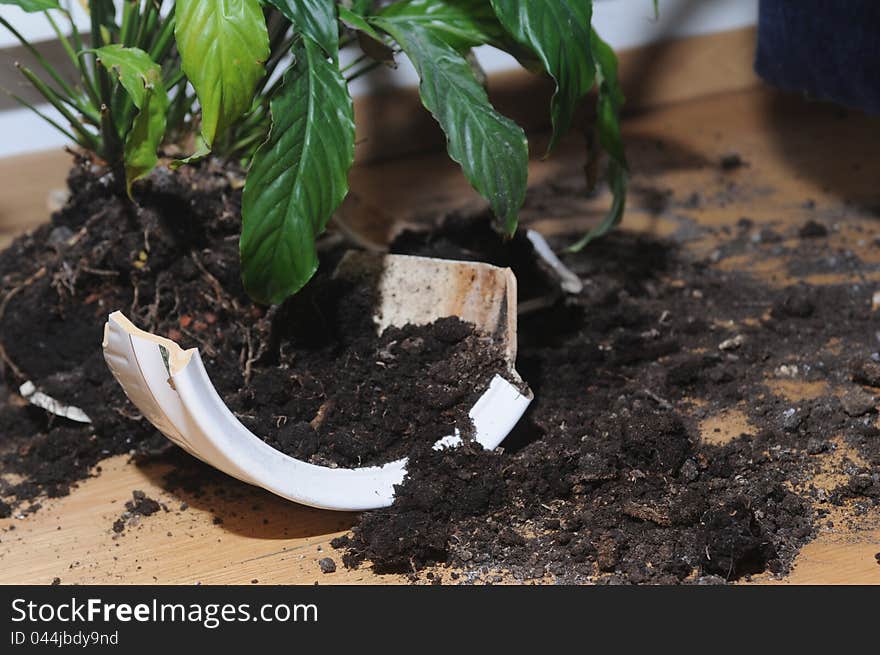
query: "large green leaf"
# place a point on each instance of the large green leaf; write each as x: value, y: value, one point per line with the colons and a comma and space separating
x: 223, y: 45
x: 491, y: 149
x: 608, y: 106
x: 558, y: 31
x: 141, y: 78
x: 462, y: 24
x: 31, y: 6
x: 315, y: 19
x: 298, y: 176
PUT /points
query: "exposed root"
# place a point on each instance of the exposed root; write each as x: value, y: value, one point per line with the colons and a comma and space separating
x: 222, y: 299
x: 247, y: 358
x: 19, y: 288
x: 12, y: 367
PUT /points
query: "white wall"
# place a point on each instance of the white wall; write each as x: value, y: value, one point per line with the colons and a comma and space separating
x: 623, y: 23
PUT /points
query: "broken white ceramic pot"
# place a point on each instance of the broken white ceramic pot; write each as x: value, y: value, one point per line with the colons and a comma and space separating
x: 171, y: 387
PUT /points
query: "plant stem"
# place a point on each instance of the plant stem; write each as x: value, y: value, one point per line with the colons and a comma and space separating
x: 354, y: 62
x: 179, y: 107
x: 164, y: 40
x: 147, y: 27
x: 241, y: 147
x: 363, y: 71
x: 62, y: 39
x: 81, y: 59
x: 41, y: 60
x: 46, y: 118
x: 130, y: 19
x: 112, y: 148
x: 174, y: 78
x: 87, y: 108
x: 272, y: 64
x: 56, y: 101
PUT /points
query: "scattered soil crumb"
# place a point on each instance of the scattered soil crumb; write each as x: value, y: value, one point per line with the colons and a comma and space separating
x: 731, y: 161
x: 139, y: 506
x: 813, y: 230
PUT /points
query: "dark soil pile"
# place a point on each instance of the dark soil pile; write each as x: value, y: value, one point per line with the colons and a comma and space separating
x: 311, y: 376
x: 606, y: 476
x: 340, y: 397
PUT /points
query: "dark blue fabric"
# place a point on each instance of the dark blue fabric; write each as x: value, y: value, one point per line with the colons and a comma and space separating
x: 826, y: 48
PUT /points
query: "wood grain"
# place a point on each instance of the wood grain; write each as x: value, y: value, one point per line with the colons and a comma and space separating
x: 261, y: 537
x: 26, y: 180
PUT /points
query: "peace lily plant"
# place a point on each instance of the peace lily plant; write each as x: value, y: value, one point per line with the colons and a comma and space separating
x: 263, y: 82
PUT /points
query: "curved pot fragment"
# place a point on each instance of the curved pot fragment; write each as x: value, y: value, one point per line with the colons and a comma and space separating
x: 171, y: 387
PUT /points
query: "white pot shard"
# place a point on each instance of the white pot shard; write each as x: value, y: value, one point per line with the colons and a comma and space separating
x: 568, y: 281
x: 171, y: 387
x: 35, y: 397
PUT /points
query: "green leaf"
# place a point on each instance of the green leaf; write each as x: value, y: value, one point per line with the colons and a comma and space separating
x: 370, y: 40
x: 558, y: 31
x: 315, y: 19
x: 223, y: 45
x: 147, y: 131
x: 618, y: 178
x: 32, y: 6
x: 462, y: 24
x: 610, y: 100
x: 491, y: 149
x: 137, y: 73
x: 298, y: 176
x: 358, y: 22
x: 361, y: 7
x: 200, y: 152
x: 609, y: 103
x: 142, y: 80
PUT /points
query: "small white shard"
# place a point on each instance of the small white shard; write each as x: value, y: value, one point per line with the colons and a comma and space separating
x: 29, y: 392
x: 787, y: 371
x: 733, y: 343
x: 56, y: 199
x: 569, y: 282
x: 449, y: 441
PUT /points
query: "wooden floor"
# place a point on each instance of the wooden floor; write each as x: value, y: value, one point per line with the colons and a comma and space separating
x: 794, y: 150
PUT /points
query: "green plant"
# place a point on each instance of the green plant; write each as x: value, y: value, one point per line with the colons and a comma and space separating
x: 118, y: 107
x: 207, y: 75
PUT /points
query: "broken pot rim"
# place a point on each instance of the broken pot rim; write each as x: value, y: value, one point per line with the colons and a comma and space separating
x: 172, y: 388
